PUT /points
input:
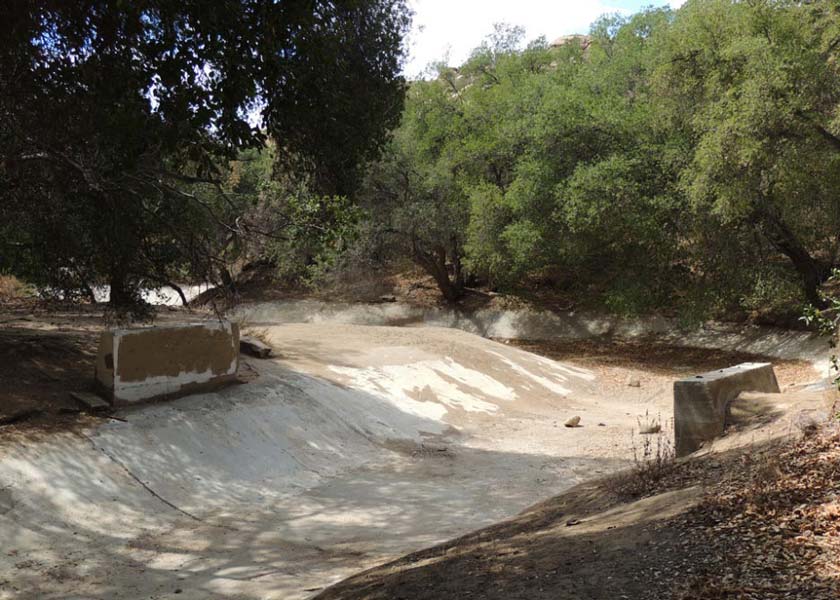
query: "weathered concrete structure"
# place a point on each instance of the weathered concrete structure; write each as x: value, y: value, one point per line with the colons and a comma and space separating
x: 701, y: 402
x: 529, y: 324
x: 171, y: 360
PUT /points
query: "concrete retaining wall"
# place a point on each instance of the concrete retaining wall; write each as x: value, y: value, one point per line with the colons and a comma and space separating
x: 701, y: 402
x: 140, y: 364
x: 544, y: 325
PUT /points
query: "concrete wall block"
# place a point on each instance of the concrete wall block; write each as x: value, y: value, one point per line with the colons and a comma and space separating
x: 701, y: 403
x: 170, y: 360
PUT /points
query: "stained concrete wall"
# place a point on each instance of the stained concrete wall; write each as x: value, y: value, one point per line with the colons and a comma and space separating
x: 701, y: 402
x: 152, y: 362
x: 544, y: 325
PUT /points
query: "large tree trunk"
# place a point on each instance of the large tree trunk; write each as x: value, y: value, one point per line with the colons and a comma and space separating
x: 434, y: 263
x: 87, y: 292
x: 457, y: 268
x: 180, y: 292
x: 227, y: 280
x: 812, y: 272
x: 450, y: 291
x: 121, y: 295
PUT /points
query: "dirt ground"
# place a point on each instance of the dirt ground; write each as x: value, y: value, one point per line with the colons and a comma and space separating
x: 47, y: 351
x: 648, y: 360
x: 756, y: 519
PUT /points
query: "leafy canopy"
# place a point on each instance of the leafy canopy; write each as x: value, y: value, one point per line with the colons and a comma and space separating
x: 684, y: 157
x: 118, y: 119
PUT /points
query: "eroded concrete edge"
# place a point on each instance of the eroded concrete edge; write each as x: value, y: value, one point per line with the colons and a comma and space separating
x: 701, y: 402
x: 142, y: 364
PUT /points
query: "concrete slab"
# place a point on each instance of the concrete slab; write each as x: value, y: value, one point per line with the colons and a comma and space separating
x: 170, y: 360
x: 254, y: 347
x: 90, y: 401
x: 358, y: 445
x: 528, y: 324
x: 701, y: 402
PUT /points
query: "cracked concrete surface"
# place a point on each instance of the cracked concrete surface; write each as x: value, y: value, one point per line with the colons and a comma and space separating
x: 7, y: 503
x: 139, y: 481
x: 354, y: 446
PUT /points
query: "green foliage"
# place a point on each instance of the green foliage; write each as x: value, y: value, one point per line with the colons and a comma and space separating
x: 774, y: 292
x: 488, y: 224
x: 319, y: 230
x: 414, y: 195
x: 756, y: 88
x: 299, y: 230
x: 124, y: 122
x: 684, y: 159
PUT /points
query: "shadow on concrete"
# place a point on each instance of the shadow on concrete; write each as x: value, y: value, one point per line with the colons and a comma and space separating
x: 752, y: 411
x: 582, y: 545
x: 273, y: 493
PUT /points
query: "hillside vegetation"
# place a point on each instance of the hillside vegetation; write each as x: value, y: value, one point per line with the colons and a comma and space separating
x: 673, y: 158
x: 682, y: 160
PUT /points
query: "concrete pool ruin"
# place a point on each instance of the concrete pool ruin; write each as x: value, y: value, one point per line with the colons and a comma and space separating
x: 701, y: 402
x: 356, y: 444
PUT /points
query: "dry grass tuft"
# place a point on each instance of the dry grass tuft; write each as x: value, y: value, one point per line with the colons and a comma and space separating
x: 12, y: 288
x: 654, y: 458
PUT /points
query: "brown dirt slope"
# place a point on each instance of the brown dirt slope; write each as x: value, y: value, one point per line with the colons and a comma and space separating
x: 48, y: 351
x: 39, y: 367
x: 759, y: 518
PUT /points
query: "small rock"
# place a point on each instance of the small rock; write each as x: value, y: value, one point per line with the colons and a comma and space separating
x: 90, y: 401
x: 387, y: 298
x: 634, y: 383
x: 254, y: 347
x: 572, y: 522
x: 650, y: 428
x: 602, y: 424
x: 573, y: 422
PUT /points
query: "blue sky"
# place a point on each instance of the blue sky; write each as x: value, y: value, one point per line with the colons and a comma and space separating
x: 454, y: 27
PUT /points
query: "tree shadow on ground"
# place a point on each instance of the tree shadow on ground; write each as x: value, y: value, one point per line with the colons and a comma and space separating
x: 38, y: 370
x: 583, y: 545
x: 273, y: 495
